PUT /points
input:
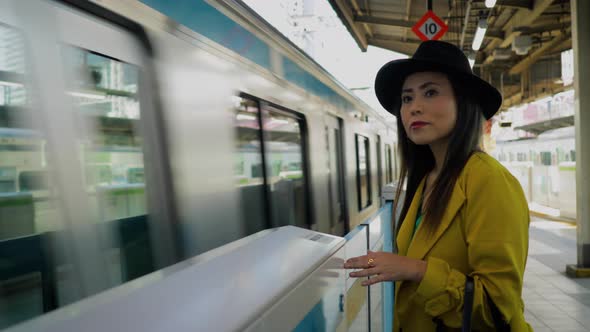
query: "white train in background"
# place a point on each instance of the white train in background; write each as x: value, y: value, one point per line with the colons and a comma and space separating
x: 545, y: 167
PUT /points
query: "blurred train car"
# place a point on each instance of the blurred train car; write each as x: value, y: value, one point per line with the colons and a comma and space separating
x: 545, y: 167
x: 136, y: 134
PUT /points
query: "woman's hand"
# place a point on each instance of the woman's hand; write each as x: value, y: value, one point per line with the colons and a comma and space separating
x: 384, y: 266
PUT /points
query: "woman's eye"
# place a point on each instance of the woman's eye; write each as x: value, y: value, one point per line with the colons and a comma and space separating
x: 430, y: 93
x: 406, y: 99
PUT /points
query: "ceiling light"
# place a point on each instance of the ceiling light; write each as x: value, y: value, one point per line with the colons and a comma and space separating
x: 490, y: 3
x: 522, y: 44
x: 471, y: 59
x: 482, y: 26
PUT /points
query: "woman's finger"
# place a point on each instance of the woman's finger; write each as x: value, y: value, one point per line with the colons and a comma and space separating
x: 374, y: 280
x: 360, y: 262
x: 365, y: 273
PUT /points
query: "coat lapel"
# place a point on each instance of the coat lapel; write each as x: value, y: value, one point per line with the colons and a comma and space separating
x: 405, y: 232
x: 423, y: 242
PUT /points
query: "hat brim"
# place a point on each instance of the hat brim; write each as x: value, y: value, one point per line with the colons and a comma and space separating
x: 391, y: 77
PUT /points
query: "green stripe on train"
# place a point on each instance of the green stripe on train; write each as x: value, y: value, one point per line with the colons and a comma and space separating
x: 125, y: 191
x: 15, y: 202
x: 567, y: 168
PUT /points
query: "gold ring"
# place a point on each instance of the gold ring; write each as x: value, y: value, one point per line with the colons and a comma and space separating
x: 371, y: 261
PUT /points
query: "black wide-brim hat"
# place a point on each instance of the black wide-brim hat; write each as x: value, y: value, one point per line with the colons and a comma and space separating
x: 436, y: 56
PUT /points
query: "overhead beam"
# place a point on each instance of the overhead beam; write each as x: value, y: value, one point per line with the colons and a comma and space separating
x: 523, y: 17
x: 509, y: 101
x: 566, y: 45
x: 347, y: 17
x: 408, y: 14
x: 544, y: 28
x: 497, y: 34
x: 390, y: 22
x: 536, y: 55
x: 518, y: 98
x: 357, y: 10
x: 527, y: 4
x: 465, y: 24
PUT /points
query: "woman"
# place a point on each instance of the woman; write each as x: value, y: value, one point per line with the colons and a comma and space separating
x: 464, y: 214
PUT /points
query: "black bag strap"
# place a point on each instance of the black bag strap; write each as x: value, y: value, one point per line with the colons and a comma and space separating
x: 468, y: 304
x: 499, y: 323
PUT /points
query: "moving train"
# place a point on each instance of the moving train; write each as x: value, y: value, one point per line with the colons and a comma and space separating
x: 545, y: 167
x: 137, y: 134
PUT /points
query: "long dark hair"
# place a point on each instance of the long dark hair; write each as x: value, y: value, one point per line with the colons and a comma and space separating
x: 418, y: 160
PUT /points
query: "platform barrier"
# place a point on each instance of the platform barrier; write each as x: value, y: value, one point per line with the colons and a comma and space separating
x: 283, y: 279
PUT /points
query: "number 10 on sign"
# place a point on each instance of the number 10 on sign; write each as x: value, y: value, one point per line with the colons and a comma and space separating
x: 430, y: 27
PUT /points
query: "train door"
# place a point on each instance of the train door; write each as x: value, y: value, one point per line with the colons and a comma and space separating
x: 285, y: 150
x: 90, y: 123
x: 337, y: 206
x: 118, y: 123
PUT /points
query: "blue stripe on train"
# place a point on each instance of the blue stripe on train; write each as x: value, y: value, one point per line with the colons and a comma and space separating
x: 206, y: 20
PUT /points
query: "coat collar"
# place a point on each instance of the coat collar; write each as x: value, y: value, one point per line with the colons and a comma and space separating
x: 423, y: 242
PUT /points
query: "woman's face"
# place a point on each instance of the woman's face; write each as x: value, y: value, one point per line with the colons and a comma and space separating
x: 428, y: 108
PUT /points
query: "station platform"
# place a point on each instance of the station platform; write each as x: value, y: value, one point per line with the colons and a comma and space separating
x: 553, y: 301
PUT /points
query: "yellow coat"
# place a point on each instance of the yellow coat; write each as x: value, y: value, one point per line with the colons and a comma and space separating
x: 483, y: 233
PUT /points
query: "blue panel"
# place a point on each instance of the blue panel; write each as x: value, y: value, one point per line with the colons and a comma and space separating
x: 388, y: 287
x: 201, y: 17
x: 354, y: 232
x: 386, y: 227
x: 327, y: 314
x: 294, y: 73
x: 314, y: 321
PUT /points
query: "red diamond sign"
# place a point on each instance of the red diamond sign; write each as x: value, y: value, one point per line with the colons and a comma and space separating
x: 430, y: 27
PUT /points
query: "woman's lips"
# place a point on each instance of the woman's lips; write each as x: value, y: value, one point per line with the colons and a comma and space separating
x: 418, y: 124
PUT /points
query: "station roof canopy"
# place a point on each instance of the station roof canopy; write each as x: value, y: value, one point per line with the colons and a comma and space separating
x: 541, y: 29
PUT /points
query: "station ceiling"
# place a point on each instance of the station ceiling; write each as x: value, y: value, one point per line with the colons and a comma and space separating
x: 521, y: 78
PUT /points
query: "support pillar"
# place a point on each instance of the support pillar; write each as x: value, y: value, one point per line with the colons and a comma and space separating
x: 581, y: 48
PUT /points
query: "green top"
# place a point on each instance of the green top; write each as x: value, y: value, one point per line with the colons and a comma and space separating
x: 420, y: 215
x: 419, y: 218
x: 418, y: 221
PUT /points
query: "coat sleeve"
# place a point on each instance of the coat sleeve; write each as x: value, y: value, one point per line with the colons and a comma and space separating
x: 495, y: 223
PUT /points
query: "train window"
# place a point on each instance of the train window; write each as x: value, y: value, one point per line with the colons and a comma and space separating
x: 27, y: 212
x: 33, y: 180
x: 363, y: 171
x: 104, y: 93
x: 75, y: 222
x: 248, y: 167
x: 388, y: 164
x: 7, y: 179
x: 546, y: 158
x: 284, y: 158
x: 269, y: 165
